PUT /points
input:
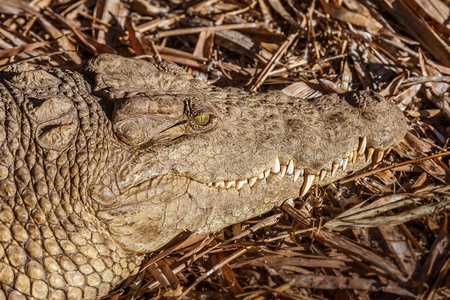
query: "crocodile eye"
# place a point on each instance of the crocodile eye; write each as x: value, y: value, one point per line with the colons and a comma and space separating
x: 202, y: 120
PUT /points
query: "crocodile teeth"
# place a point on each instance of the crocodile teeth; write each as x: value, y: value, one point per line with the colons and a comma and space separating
x: 276, y: 167
x: 369, y: 153
x: 307, y: 183
x: 229, y: 184
x: 387, y: 151
x: 355, y: 156
x: 290, y: 168
x: 378, y: 156
x: 297, y: 173
x: 350, y: 156
x: 283, y: 170
x: 344, y: 164
x: 240, y: 183
x: 362, y: 146
x: 334, y: 168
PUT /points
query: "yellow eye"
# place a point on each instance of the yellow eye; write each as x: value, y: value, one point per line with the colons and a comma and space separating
x: 202, y: 120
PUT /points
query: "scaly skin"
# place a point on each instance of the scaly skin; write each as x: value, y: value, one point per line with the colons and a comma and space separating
x: 99, y: 168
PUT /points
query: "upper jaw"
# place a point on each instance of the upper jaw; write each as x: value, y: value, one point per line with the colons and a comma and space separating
x: 290, y: 169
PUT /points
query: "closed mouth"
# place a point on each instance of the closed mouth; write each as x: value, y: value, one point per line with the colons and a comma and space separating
x: 291, y: 171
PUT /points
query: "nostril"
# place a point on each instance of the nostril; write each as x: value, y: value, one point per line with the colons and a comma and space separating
x: 376, y: 96
x: 358, y: 99
x: 364, y: 99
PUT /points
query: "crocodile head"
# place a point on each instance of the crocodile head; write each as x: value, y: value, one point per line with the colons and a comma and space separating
x: 186, y: 156
x: 102, y: 165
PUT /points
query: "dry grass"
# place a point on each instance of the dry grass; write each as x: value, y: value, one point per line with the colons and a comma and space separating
x: 381, y: 233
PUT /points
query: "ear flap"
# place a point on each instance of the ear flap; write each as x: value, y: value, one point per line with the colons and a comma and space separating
x: 58, y: 123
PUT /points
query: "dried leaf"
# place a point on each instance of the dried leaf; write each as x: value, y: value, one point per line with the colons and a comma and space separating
x: 21, y: 49
x: 420, y: 30
x: 370, y: 218
x: 340, y: 13
x: 147, y: 9
x: 335, y: 282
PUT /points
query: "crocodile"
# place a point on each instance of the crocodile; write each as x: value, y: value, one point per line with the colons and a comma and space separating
x: 101, y: 166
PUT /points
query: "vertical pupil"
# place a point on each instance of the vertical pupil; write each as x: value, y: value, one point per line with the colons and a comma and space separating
x: 201, y: 119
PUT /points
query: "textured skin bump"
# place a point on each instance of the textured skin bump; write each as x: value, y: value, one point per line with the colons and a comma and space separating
x: 101, y: 166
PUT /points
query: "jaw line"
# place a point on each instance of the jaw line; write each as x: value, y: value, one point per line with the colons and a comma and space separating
x: 146, y: 190
x: 291, y: 169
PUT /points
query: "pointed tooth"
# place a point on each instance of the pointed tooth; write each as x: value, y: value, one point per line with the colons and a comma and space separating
x: 344, y: 163
x: 229, y: 184
x: 209, y: 184
x: 378, y: 157
x: 323, y: 173
x: 283, y: 169
x: 217, y: 184
x: 387, y: 151
x: 355, y: 156
x: 362, y: 146
x: 290, y: 168
x: 266, y: 173
x: 350, y: 156
x: 252, y: 181
x: 369, y: 153
x: 307, y: 183
x: 222, y: 184
x: 297, y: 173
x: 334, y: 168
x: 240, y: 183
x: 276, y: 167
x: 261, y: 176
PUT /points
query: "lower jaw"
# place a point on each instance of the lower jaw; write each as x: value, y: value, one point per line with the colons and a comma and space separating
x: 219, y: 207
x: 195, y: 206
